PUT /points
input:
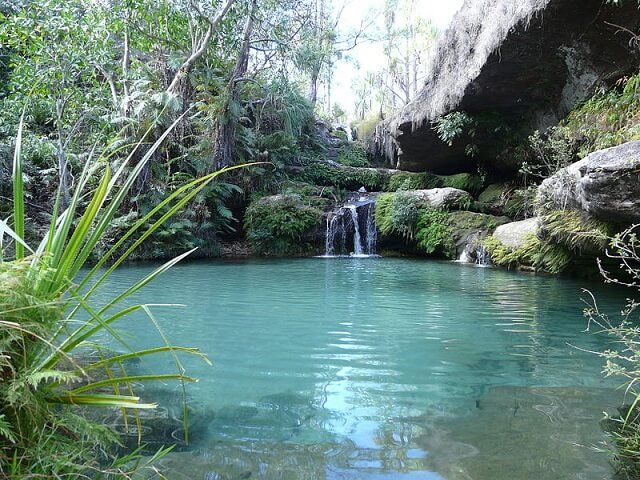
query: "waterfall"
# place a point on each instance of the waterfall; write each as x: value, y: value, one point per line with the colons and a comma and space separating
x: 351, y: 229
x: 474, y: 252
x: 357, y: 240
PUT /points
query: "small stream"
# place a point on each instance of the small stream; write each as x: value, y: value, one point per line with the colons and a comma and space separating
x: 379, y: 369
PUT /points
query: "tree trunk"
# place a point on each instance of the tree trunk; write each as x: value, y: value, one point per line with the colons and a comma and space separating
x: 313, y: 87
x: 226, y: 132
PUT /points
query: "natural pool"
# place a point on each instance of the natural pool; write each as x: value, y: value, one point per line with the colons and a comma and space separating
x: 381, y: 369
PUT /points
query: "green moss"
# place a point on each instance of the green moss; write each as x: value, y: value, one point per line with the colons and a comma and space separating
x: 353, y: 155
x: 606, y: 120
x: 464, y: 181
x: 397, y: 214
x: 542, y: 255
x: 414, y: 181
x: 277, y: 225
x: 576, y: 231
x: 434, y: 232
x: 350, y: 178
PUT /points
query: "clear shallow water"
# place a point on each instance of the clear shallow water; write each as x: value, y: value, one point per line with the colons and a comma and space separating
x: 380, y: 369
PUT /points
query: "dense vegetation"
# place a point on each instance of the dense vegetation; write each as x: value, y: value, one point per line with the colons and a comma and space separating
x: 122, y: 127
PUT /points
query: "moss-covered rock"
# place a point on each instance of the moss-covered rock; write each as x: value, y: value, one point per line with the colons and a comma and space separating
x: 427, y: 226
x: 341, y: 176
x: 552, y: 243
x: 464, y: 181
x: 281, y: 225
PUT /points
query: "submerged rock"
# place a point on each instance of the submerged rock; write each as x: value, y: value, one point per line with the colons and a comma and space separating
x: 530, y: 65
x: 514, y: 234
x: 606, y: 185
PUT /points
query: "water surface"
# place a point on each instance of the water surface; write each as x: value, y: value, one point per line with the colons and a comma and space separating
x: 380, y: 369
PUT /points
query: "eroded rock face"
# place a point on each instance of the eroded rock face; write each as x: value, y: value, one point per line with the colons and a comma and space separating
x: 514, y: 234
x: 606, y: 185
x: 530, y: 64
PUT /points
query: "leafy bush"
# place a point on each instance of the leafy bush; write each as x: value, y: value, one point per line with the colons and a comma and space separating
x: 434, y: 233
x: 452, y: 126
x: 397, y: 214
x: 548, y: 154
x: 277, y: 225
x: 520, y: 203
x: 353, y: 155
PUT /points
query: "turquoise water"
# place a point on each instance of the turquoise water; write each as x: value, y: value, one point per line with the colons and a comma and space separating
x: 379, y: 369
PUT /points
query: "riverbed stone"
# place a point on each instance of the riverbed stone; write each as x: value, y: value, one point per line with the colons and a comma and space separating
x: 514, y: 234
x: 605, y: 184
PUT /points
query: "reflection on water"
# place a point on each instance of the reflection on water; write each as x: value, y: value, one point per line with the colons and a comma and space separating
x: 380, y: 369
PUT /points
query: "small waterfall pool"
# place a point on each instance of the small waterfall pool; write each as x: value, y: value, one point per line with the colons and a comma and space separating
x: 379, y: 369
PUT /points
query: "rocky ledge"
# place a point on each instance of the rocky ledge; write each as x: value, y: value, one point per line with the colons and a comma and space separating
x: 530, y: 65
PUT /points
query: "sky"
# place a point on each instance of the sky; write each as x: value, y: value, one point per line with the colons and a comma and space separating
x: 368, y: 56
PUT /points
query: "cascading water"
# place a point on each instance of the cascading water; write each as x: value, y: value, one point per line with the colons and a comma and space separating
x: 351, y: 229
x: 474, y: 252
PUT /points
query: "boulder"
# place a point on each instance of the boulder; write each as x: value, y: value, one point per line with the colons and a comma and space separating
x: 447, y: 198
x: 605, y: 184
x: 468, y: 229
x: 529, y: 66
x: 514, y: 235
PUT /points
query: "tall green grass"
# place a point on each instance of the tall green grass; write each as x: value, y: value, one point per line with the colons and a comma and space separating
x: 49, y: 320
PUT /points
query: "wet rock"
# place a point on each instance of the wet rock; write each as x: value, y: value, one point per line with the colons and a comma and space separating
x: 514, y: 234
x: 606, y: 185
x: 469, y: 229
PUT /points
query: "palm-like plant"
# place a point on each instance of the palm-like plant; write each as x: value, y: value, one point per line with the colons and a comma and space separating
x: 47, y: 317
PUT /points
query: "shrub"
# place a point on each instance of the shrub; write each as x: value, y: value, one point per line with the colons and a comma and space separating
x: 452, y: 126
x: 397, y: 214
x: 623, y: 360
x: 276, y: 225
x: 353, y: 155
x: 434, y: 234
x: 520, y: 203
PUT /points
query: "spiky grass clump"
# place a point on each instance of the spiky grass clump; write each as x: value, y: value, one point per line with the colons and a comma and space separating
x: 48, y: 320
